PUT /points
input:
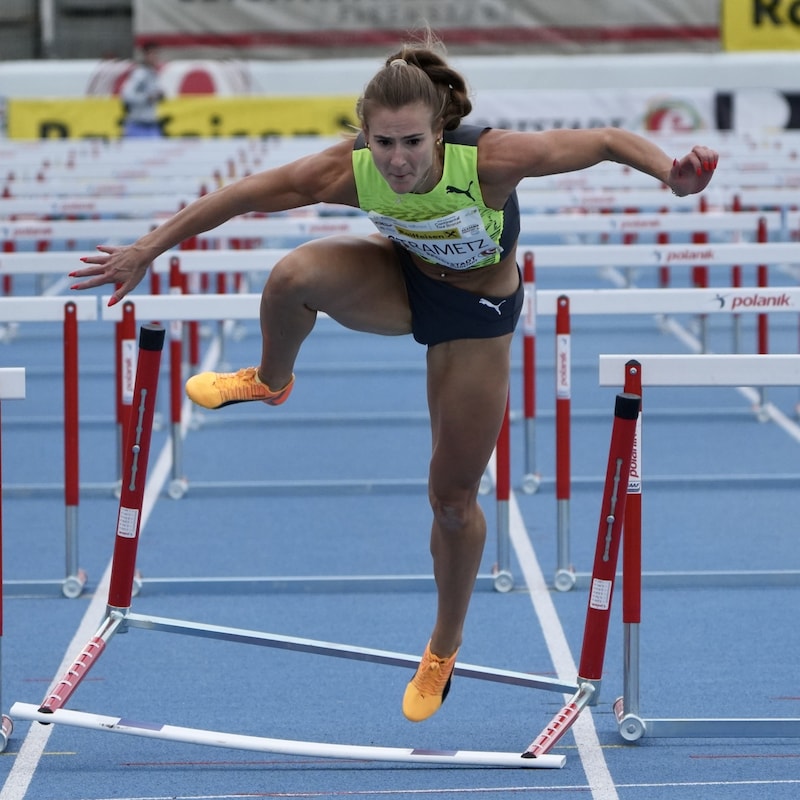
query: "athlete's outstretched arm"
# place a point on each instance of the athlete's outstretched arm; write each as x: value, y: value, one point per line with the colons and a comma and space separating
x: 506, y: 157
x: 323, y: 177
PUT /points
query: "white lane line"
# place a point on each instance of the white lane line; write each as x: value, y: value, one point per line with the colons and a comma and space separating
x: 501, y: 790
x: 589, y: 749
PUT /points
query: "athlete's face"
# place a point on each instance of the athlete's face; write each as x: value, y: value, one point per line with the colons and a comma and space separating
x: 404, y: 147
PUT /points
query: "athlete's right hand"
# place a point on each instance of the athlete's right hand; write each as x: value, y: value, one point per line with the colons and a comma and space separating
x: 123, y: 266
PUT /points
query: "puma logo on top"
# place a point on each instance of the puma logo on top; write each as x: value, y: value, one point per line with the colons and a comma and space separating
x: 456, y: 190
x: 496, y: 306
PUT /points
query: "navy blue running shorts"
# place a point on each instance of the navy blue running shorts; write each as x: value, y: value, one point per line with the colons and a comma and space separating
x: 441, y: 312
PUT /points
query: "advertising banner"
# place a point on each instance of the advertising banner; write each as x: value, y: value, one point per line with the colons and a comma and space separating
x: 634, y: 109
x: 287, y: 28
x: 661, y: 111
x: 200, y: 115
x: 259, y: 116
x: 64, y: 118
x: 760, y: 25
x: 745, y: 91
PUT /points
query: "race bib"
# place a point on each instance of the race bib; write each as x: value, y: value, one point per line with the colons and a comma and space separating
x: 458, y: 241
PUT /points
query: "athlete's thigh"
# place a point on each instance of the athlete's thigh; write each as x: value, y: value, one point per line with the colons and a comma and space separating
x: 467, y: 394
x: 356, y: 280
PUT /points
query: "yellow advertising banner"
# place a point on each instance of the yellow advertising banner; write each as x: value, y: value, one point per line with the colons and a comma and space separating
x: 57, y: 118
x: 195, y: 115
x: 760, y: 25
x: 211, y: 115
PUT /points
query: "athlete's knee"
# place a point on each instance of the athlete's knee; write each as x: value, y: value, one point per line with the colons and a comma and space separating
x: 454, y: 511
x: 290, y: 276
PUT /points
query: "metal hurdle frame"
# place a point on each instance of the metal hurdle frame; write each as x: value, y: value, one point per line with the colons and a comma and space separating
x: 685, y: 370
x: 120, y: 618
x: 12, y: 387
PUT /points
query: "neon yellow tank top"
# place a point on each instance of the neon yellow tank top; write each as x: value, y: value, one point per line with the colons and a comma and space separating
x: 450, y: 225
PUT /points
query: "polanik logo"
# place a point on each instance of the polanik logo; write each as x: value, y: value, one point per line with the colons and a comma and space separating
x: 753, y: 301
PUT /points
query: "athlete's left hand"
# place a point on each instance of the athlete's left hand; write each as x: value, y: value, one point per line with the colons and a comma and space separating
x: 692, y: 173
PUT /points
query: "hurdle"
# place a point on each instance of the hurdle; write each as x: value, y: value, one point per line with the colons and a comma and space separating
x: 657, y: 302
x: 120, y: 618
x: 351, y: 221
x: 662, y: 256
x: 684, y: 370
x: 179, y: 308
x: 94, y: 206
x: 653, y: 199
x: 715, y: 255
x: 12, y: 387
x: 69, y: 312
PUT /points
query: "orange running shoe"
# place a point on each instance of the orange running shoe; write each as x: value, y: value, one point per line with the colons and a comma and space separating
x: 218, y: 389
x: 428, y: 688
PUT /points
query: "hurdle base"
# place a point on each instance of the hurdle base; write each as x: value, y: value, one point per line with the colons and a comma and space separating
x: 73, y: 585
x: 6, y: 729
x: 632, y: 726
x: 292, y: 584
x: 34, y: 588
x: 591, y: 689
x: 707, y: 579
x: 561, y: 722
x: 108, y: 724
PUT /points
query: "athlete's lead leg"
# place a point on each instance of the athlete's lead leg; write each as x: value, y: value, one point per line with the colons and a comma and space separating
x: 467, y: 391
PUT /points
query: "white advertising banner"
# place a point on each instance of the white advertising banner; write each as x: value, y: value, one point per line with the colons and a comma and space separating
x: 277, y: 28
x: 635, y: 109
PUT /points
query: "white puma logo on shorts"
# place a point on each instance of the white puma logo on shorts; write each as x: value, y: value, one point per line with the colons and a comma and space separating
x: 496, y: 306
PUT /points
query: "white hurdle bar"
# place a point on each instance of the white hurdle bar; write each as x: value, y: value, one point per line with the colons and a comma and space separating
x: 656, y: 198
x: 46, y: 309
x: 687, y: 370
x: 672, y: 301
x: 255, y: 260
x: 135, y: 206
x: 289, y: 747
x: 321, y: 224
x: 12, y: 387
x: 546, y: 256
x: 707, y: 369
x: 12, y: 383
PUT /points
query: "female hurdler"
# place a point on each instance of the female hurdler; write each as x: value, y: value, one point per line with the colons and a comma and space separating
x: 442, y: 267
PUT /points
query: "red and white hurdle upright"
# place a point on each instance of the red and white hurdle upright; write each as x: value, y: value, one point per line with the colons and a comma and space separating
x: 598, y: 613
